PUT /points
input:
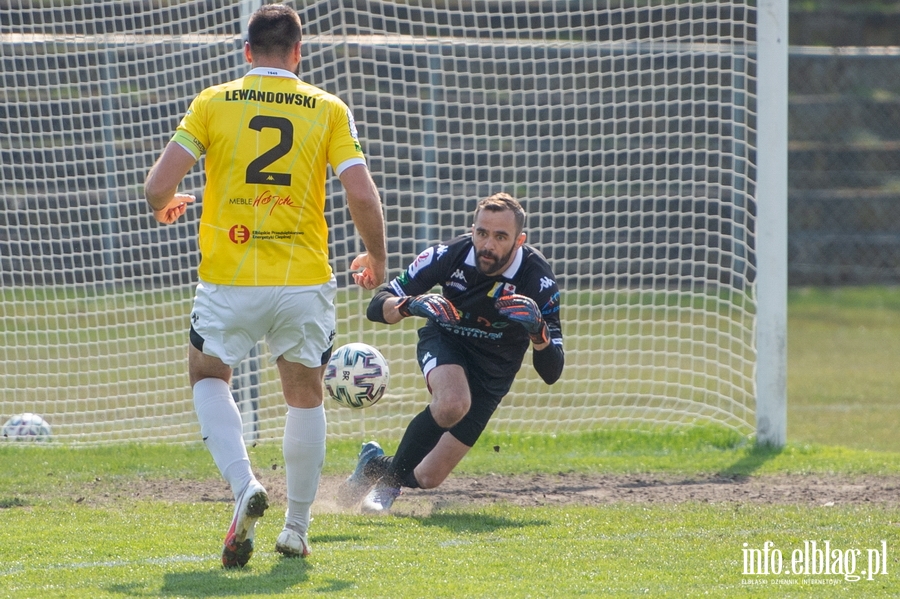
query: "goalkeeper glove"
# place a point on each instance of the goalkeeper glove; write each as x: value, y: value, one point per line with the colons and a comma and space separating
x: 523, y: 310
x: 433, y: 306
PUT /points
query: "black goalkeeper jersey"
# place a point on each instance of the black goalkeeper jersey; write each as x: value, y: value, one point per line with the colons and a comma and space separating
x: 451, y: 266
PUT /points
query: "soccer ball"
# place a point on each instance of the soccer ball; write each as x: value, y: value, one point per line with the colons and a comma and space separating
x: 26, y: 427
x: 357, y: 375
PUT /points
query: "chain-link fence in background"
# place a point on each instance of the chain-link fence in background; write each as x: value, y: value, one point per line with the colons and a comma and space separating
x: 844, y: 166
x: 844, y: 160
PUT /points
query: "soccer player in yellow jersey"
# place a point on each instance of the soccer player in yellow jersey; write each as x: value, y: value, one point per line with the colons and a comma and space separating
x: 264, y: 272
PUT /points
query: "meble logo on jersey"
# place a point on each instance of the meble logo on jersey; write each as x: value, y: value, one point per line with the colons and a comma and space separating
x: 265, y: 199
x: 272, y: 201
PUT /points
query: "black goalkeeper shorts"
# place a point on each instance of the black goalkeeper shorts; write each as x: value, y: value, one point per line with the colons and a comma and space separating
x: 487, y: 386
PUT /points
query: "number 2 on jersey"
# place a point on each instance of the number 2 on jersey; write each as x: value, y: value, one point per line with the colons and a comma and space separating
x: 255, y: 170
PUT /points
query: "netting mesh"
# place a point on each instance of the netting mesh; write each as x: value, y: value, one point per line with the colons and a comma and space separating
x: 626, y: 128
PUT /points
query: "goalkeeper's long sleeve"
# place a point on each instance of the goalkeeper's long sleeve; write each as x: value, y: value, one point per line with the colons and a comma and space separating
x: 549, y: 362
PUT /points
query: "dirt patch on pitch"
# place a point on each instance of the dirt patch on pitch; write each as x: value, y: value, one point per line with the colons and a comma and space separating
x: 545, y: 489
x: 597, y: 489
x: 587, y: 489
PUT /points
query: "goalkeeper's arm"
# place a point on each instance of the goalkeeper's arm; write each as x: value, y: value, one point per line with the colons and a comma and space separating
x: 388, y: 308
x: 383, y: 307
x: 549, y: 361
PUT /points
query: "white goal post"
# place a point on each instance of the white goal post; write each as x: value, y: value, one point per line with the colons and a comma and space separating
x: 631, y: 130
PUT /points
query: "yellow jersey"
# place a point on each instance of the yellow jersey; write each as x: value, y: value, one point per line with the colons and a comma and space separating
x: 268, y: 138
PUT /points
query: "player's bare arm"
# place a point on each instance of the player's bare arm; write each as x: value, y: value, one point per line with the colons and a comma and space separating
x: 389, y: 309
x: 161, y: 185
x: 364, y: 204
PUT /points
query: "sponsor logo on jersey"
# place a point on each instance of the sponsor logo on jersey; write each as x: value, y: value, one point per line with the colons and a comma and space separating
x: 267, y: 198
x: 441, y: 250
x: 257, y: 95
x: 261, y: 235
x: 500, y: 289
x: 546, y: 283
x: 421, y: 261
x: 471, y: 332
x: 457, y: 274
x: 502, y: 324
x: 399, y: 282
x: 552, y: 304
x: 239, y: 234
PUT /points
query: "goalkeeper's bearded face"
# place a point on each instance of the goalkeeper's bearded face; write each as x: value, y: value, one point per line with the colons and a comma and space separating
x: 496, y: 239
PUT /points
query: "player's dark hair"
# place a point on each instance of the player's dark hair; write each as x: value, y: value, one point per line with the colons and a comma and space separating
x: 500, y: 202
x: 273, y: 29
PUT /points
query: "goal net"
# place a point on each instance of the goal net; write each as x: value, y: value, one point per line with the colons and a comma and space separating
x: 625, y: 127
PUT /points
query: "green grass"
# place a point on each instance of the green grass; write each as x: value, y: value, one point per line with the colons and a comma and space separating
x: 843, y: 351
x: 60, y: 536
x: 91, y: 360
x: 54, y: 544
x: 502, y: 552
x: 42, y: 473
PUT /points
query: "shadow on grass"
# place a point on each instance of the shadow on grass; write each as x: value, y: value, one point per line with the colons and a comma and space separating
x: 218, y: 582
x: 474, y: 523
x: 753, y: 459
x: 10, y: 502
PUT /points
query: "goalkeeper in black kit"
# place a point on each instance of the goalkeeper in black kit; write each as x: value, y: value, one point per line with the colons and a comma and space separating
x: 497, y: 296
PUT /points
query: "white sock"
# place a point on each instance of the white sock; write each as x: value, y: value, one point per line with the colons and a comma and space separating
x: 222, y: 431
x: 304, y: 456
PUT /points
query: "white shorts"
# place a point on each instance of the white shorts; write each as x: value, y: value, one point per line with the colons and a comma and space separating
x: 297, y: 322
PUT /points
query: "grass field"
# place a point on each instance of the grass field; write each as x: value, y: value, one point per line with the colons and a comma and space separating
x: 110, y: 365
x: 843, y: 379
x: 98, y: 522
x: 72, y: 526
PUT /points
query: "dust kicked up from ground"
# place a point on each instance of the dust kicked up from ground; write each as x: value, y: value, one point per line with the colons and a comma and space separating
x: 544, y: 489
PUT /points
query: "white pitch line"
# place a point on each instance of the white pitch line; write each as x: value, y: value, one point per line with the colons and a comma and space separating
x: 156, y: 561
